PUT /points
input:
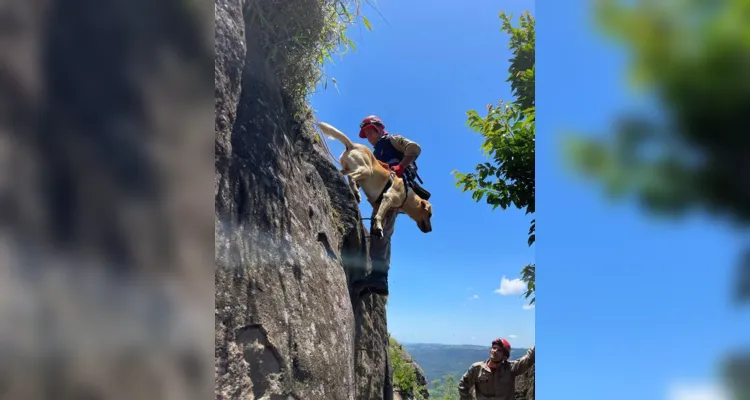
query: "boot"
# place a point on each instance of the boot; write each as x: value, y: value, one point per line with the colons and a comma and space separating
x: 376, y: 282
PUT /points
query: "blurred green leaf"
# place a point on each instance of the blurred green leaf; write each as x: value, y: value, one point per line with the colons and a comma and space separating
x: 693, y: 58
x: 367, y: 23
x: 736, y: 370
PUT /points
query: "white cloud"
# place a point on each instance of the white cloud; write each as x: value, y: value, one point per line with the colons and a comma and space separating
x: 693, y: 391
x: 513, y: 336
x: 529, y: 307
x: 475, y: 297
x: 509, y: 287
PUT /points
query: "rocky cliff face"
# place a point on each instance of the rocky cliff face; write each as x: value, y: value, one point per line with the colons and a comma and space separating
x: 289, y: 239
x: 105, y: 230
x: 525, y: 385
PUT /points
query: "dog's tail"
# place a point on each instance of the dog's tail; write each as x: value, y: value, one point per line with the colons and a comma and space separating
x: 334, y: 133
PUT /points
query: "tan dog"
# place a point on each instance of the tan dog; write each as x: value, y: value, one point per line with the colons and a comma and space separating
x: 364, y: 170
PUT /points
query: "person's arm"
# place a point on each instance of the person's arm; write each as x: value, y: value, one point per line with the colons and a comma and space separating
x: 466, y: 384
x: 410, y: 149
x: 524, y: 363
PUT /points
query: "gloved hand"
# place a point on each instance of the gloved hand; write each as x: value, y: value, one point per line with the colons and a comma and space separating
x: 399, y: 170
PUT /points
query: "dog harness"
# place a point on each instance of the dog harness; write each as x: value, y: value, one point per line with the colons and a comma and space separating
x: 388, y: 187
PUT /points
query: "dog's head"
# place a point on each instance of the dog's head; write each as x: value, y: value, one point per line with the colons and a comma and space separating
x: 423, y: 216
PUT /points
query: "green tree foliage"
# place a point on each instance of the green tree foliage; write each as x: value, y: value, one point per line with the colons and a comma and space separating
x: 404, y: 375
x: 509, y: 132
x: 445, y: 389
x: 693, y: 56
x: 341, y: 15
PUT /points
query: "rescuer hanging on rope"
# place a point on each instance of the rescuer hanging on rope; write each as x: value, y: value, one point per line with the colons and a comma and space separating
x: 400, y: 154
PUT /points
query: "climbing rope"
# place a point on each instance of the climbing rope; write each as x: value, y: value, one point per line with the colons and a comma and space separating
x: 325, y: 142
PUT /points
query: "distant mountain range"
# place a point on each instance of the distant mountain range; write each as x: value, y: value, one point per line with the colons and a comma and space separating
x: 440, y: 360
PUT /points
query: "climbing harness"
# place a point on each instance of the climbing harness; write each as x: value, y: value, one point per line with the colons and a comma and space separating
x: 410, y: 178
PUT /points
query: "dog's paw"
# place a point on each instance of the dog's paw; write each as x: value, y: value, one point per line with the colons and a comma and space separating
x: 358, y: 197
x: 376, y: 232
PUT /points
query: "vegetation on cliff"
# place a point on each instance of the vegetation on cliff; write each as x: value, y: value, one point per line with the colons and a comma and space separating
x: 408, y: 379
x: 298, y: 44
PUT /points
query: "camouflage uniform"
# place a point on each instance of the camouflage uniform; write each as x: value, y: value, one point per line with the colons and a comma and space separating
x: 499, y: 384
x: 392, y: 150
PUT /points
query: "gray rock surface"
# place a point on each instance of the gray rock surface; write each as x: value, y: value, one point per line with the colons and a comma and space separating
x: 105, y: 200
x: 289, y: 240
x: 525, y: 385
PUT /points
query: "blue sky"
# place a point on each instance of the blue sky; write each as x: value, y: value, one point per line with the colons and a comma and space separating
x: 407, y: 72
x: 630, y: 304
x: 640, y: 294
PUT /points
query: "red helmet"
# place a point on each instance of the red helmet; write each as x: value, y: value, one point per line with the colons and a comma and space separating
x: 369, y: 120
x: 502, y: 343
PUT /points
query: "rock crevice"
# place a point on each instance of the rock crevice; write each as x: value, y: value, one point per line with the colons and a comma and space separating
x: 289, y: 240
